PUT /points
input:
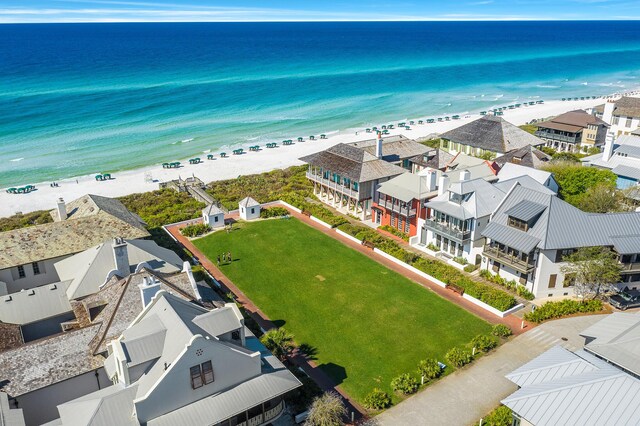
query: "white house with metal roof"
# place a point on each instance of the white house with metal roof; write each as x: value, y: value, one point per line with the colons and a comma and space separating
x: 531, y: 231
x: 179, y: 364
x: 584, y: 387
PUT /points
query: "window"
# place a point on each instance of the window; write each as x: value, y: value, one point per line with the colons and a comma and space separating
x: 207, y: 372
x: 517, y: 223
x: 616, y: 120
x: 552, y: 280
x: 628, y: 123
x: 36, y: 268
x: 252, y: 210
x: 406, y: 227
x: 21, y: 273
x: 523, y: 279
x: 215, y: 219
x: 196, y: 377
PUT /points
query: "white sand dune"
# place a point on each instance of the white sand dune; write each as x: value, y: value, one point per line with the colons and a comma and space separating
x: 134, y: 181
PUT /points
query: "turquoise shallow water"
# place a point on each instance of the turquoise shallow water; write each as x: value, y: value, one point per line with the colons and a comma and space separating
x: 85, y: 98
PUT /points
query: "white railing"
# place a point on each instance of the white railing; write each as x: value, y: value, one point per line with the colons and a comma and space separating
x: 274, y: 412
x: 333, y: 185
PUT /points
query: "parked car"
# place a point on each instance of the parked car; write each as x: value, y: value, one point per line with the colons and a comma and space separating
x: 625, y: 299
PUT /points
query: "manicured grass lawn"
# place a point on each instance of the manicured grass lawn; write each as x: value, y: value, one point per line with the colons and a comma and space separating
x: 367, y: 323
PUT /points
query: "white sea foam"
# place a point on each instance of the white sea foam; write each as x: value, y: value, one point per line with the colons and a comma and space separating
x: 15, y: 160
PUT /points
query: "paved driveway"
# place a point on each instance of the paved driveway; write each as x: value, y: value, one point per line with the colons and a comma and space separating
x: 465, y: 396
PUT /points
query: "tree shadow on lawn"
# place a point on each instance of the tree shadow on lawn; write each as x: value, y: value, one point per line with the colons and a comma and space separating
x: 278, y: 323
x: 308, y: 351
x: 337, y: 372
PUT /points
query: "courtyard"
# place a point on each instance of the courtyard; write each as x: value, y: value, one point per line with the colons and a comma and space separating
x: 362, y: 323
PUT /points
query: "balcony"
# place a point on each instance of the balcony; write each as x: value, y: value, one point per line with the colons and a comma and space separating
x: 397, y: 208
x: 507, y: 259
x: 333, y: 185
x: 631, y: 267
x: 266, y: 417
x: 448, y: 231
x: 556, y: 137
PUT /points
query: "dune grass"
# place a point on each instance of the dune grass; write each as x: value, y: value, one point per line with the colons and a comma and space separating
x: 364, y: 323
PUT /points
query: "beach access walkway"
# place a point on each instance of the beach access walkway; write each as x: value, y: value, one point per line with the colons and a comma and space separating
x: 309, y: 367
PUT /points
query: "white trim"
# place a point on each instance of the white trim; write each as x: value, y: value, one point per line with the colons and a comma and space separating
x: 325, y: 224
x: 349, y: 237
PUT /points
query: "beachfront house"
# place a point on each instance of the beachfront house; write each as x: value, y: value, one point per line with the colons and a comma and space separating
x: 527, y: 156
x: 596, y: 385
x: 573, y: 131
x: 179, y: 363
x: 397, y: 149
x: 213, y: 216
x: 623, y: 115
x: 39, y: 375
x: 488, y: 136
x: 28, y: 255
x: 531, y: 231
x: 621, y: 155
x: 249, y: 209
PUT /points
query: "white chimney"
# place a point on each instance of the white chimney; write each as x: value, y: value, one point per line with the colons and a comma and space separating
x: 62, y: 210
x: 379, y: 145
x: 148, y: 289
x: 121, y: 257
x: 432, y: 180
x: 607, y: 115
x: 443, y: 185
x: 465, y: 175
x: 608, y: 146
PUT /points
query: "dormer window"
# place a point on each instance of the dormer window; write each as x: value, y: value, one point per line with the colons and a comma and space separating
x: 518, y: 224
x: 201, y: 375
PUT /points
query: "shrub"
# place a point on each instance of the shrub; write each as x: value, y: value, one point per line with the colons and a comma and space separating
x: 501, y: 416
x: 486, y: 274
x: 164, y: 206
x: 470, y: 268
x: 273, y: 212
x: 501, y: 330
x: 20, y: 220
x: 429, y: 369
x: 523, y: 292
x: 404, y: 384
x: 562, y: 308
x: 394, y: 231
x: 279, y: 342
x: 460, y: 260
x: 195, y: 230
x: 377, y: 400
x: 483, y: 343
x: 326, y: 410
x: 433, y: 247
x: 458, y: 357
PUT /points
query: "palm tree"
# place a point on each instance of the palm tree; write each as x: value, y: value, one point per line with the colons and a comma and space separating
x: 327, y: 410
x: 279, y: 341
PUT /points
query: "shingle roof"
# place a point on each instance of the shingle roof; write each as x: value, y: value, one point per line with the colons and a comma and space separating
x: 92, y: 220
x: 624, y: 107
x: 394, y: 148
x: 493, y: 134
x: 572, y: 121
x: 249, y: 202
x: 434, y: 158
x: 353, y: 163
x: 212, y: 209
x: 528, y: 156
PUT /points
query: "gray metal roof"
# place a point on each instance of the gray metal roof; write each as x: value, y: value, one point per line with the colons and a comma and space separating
x: 511, y: 171
x: 405, y: 187
x: 493, y: 134
x: 526, y: 210
x: 558, y: 390
x: 110, y: 406
x: 145, y: 341
x: 511, y: 237
x: 481, y: 198
x: 35, y: 304
x: 627, y: 171
x: 627, y: 245
x: 220, y: 321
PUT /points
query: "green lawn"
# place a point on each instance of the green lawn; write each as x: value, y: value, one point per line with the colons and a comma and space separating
x: 366, y: 323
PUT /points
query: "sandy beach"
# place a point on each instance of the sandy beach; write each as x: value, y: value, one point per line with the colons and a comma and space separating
x: 148, y: 178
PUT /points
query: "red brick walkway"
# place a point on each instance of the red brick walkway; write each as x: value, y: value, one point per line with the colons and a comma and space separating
x: 323, y: 381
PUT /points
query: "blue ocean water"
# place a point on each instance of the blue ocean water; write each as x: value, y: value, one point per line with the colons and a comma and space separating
x: 85, y: 98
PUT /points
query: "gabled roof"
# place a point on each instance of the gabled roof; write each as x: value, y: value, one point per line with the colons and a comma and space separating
x: 624, y: 107
x: 405, y: 187
x: 92, y: 220
x: 572, y: 121
x: 510, y: 171
x: 353, y: 163
x: 435, y: 158
x: 110, y: 406
x: 480, y: 199
x: 527, y: 156
x: 88, y: 270
x: 394, y: 148
x: 220, y: 321
x: 564, y: 388
x: 526, y: 210
x: 212, y: 209
x: 249, y: 202
x: 493, y: 134
x: 562, y: 226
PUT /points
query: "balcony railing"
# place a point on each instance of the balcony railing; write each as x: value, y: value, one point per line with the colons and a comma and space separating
x: 556, y: 137
x: 448, y: 230
x: 266, y: 417
x: 507, y: 259
x: 634, y: 266
x: 397, y: 208
x: 333, y: 185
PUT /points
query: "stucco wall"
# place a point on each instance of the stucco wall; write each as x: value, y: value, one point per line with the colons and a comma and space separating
x: 47, y: 275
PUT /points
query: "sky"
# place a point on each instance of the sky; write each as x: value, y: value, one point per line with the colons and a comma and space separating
x: 24, y: 11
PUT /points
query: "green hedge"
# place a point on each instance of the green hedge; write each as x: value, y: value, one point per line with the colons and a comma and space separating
x: 394, y: 231
x: 437, y: 269
x: 195, y: 230
x: 269, y: 212
x: 562, y: 308
x: 324, y: 214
